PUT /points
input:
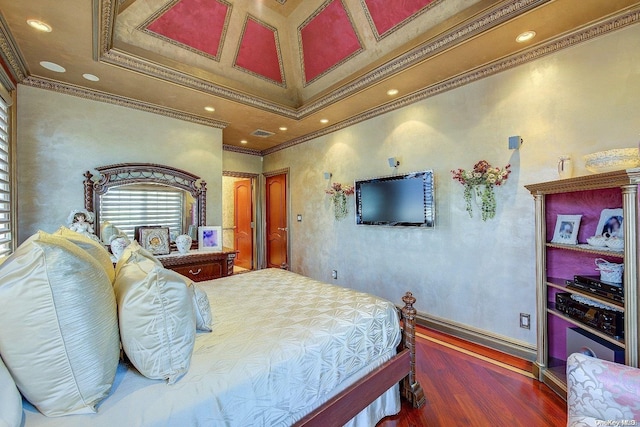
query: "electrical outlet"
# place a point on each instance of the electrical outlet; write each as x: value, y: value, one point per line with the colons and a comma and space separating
x: 525, y: 321
x: 334, y: 274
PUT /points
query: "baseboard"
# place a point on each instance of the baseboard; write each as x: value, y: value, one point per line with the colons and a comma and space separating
x: 512, y: 347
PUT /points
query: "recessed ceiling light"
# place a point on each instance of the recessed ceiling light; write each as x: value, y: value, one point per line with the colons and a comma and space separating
x: 91, y: 77
x: 243, y: 141
x: 392, y: 92
x: 53, y: 66
x: 39, y: 25
x: 324, y: 121
x: 283, y: 128
x: 526, y: 36
x: 210, y: 109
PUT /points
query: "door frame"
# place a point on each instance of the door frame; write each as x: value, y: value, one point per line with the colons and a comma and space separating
x: 255, y: 197
x: 263, y: 208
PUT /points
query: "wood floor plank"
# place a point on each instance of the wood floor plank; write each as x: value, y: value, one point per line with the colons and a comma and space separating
x: 463, y: 390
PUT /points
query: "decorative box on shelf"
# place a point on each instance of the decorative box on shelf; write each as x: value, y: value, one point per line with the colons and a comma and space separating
x: 201, y: 265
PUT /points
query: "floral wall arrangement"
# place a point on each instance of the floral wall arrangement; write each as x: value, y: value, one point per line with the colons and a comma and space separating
x: 479, y: 182
x: 338, y: 194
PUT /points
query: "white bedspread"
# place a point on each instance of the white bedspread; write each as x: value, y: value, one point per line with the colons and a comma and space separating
x: 282, y: 344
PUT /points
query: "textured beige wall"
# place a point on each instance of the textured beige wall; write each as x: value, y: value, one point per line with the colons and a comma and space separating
x: 238, y: 162
x: 62, y: 136
x: 474, y: 273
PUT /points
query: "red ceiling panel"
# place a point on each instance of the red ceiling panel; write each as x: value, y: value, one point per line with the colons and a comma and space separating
x: 259, y: 51
x: 387, y: 15
x: 327, y: 38
x: 198, y: 24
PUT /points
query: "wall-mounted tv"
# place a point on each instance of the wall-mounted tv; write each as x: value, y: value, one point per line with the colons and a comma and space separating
x: 400, y: 200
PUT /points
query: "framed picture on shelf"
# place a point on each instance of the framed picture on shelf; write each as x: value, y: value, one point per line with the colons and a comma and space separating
x: 210, y: 238
x: 566, y: 231
x: 154, y: 239
x: 610, y: 224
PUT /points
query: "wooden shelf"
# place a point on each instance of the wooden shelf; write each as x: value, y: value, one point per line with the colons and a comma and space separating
x: 588, y: 249
x: 553, y: 311
x: 560, y: 284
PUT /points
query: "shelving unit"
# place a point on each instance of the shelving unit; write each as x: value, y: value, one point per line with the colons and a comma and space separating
x: 557, y: 263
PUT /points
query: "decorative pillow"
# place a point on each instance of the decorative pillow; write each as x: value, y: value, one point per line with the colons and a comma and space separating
x: 157, y: 322
x: 10, y: 400
x: 92, y: 247
x: 108, y: 230
x: 58, y: 325
x: 201, y: 308
x: 133, y: 254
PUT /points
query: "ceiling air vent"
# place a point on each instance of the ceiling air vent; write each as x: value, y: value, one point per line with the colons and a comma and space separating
x: 262, y: 133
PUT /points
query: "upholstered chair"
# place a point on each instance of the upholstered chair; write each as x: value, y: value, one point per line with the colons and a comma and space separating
x: 601, y: 393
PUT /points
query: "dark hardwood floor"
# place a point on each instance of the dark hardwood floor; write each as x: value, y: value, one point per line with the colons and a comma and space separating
x: 464, y: 388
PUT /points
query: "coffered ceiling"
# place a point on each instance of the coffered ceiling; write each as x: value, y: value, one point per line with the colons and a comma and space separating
x: 281, y: 72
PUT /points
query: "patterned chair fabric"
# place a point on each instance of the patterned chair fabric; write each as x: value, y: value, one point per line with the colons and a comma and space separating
x: 601, y: 393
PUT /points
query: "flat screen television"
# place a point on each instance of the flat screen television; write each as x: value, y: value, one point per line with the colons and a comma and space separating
x: 401, y: 200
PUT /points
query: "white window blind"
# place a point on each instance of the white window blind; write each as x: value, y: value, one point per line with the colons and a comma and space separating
x: 5, y: 182
x: 131, y: 206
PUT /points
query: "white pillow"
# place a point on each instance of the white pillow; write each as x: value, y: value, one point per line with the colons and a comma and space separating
x: 201, y: 308
x: 58, y: 325
x: 134, y: 253
x: 92, y: 247
x: 10, y: 400
x: 157, y: 322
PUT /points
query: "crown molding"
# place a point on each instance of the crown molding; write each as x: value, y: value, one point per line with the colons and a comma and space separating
x: 590, y: 32
x: 11, y: 56
x: 121, y: 101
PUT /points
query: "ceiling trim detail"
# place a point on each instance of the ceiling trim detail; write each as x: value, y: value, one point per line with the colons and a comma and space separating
x: 487, y: 20
x: 10, y: 53
x: 144, y: 27
x: 121, y: 101
x: 596, y: 30
x: 276, y: 46
x: 398, y: 25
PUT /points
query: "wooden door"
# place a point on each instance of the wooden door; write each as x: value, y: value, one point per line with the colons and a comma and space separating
x: 276, y: 218
x: 243, y: 220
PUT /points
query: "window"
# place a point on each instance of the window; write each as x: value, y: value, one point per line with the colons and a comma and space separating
x: 6, y: 235
x: 130, y: 206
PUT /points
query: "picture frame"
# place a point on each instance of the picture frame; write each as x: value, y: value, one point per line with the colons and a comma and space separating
x: 155, y: 239
x: 210, y: 238
x: 566, y: 231
x: 611, y: 223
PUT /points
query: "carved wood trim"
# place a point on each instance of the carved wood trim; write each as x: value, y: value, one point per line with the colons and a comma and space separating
x: 142, y: 173
x: 588, y: 182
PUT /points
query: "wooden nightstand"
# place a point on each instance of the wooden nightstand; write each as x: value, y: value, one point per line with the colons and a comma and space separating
x: 201, y: 265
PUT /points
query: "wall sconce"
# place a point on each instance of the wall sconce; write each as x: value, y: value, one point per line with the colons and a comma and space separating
x: 393, y: 162
x: 515, y: 142
x: 327, y: 175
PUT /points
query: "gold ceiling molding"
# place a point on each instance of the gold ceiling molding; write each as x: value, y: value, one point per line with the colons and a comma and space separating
x: 241, y: 150
x: 10, y: 54
x: 489, y: 19
x: 121, y: 101
x: 584, y: 34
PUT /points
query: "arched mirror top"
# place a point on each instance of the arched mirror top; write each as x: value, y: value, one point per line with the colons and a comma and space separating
x: 98, y: 184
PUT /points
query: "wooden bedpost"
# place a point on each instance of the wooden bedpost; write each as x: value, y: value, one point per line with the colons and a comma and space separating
x: 410, y: 387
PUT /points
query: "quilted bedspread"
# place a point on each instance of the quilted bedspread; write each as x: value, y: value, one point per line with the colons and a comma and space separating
x: 282, y: 344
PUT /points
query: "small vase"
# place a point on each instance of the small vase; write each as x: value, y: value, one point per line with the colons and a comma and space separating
x: 183, y: 243
x: 340, y: 206
x: 118, y: 246
x: 478, y: 190
x: 565, y: 167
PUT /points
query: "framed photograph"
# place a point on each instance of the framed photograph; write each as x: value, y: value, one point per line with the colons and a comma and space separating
x: 210, y: 238
x: 566, y: 231
x: 610, y: 224
x: 154, y: 239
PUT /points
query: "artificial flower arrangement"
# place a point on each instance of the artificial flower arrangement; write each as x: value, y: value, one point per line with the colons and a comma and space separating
x: 338, y: 193
x: 480, y: 181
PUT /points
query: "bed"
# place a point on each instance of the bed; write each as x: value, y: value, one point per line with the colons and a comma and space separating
x: 284, y: 350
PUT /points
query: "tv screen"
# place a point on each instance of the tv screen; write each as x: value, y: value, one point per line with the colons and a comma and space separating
x: 401, y: 200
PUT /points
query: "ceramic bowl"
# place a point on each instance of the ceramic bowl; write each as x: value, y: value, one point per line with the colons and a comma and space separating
x: 597, y: 241
x: 612, y: 160
x: 615, y: 243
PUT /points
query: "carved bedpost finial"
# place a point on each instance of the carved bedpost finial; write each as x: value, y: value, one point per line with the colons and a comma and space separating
x: 411, y: 388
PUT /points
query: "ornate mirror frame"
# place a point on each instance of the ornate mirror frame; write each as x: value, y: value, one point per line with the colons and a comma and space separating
x: 142, y: 173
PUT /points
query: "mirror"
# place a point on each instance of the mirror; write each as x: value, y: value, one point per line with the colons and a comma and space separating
x: 118, y: 191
